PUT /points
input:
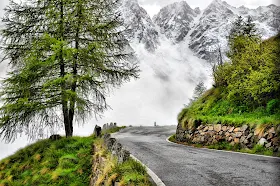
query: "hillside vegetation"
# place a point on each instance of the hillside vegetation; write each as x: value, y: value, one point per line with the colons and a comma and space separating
x: 63, y: 162
x: 69, y: 161
x: 246, y: 89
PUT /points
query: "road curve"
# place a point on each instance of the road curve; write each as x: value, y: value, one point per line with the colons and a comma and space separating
x: 178, y: 165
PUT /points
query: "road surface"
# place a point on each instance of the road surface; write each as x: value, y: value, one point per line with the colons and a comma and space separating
x: 178, y: 165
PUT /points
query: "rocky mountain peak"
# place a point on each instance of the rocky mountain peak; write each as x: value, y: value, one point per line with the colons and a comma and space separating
x: 139, y: 25
x: 174, y: 20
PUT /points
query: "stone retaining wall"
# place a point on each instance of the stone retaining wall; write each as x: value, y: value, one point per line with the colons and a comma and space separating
x: 245, y: 136
x: 99, y: 162
x: 109, y: 126
x: 116, y: 148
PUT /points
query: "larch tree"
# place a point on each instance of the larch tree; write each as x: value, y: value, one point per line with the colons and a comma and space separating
x: 65, y: 57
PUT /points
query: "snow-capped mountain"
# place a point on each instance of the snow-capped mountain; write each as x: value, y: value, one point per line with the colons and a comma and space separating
x: 174, y: 20
x: 139, y: 25
x: 203, y: 31
x: 211, y: 30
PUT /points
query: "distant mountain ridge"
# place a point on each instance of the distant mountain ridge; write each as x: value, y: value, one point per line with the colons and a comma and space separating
x: 203, y: 31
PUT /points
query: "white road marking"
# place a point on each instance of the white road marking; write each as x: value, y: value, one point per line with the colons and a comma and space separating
x: 156, y: 179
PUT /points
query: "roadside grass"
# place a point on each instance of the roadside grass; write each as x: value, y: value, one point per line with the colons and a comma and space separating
x: 128, y: 173
x: 68, y: 161
x: 131, y: 172
x: 213, y: 107
x: 63, y: 162
x: 172, y: 138
x: 257, y: 149
x: 112, y: 130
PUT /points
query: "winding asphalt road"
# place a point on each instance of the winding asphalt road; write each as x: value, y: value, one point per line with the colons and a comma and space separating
x: 178, y: 165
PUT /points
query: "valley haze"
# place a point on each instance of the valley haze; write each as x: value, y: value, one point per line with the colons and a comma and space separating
x: 172, y: 61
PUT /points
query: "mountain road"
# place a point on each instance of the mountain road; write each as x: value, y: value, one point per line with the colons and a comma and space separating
x: 179, y: 165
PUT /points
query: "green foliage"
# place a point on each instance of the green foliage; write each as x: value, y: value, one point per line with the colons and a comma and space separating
x: 247, y: 88
x: 198, y: 91
x: 65, y: 58
x: 63, y: 162
x: 172, y: 138
x: 113, y: 130
x: 273, y: 106
x: 251, y: 77
x: 132, y: 172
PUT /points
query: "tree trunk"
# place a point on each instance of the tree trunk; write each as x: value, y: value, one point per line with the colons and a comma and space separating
x: 75, y: 72
x: 67, y: 125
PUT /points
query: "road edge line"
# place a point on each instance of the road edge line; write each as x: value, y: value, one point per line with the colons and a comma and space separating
x: 153, y: 175
x: 258, y: 155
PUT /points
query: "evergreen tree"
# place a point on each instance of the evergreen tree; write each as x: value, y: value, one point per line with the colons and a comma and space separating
x: 66, y: 56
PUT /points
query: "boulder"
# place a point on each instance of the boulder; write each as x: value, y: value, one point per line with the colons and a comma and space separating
x: 270, y: 136
x: 242, y: 139
x: 202, y: 139
x: 246, y: 142
x: 237, y: 129
x: 230, y: 138
x: 224, y: 128
x: 236, y: 140
x: 200, y: 127
x: 211, y: 128
x: 250, y: 136
x: 205, y: 129
x: 97, y: 131
x: 218, y: 127
x: 278, y: 129
x: 231, y: 129
x: 55, y: 137
x: 272, y: 130
x: 116, y: 149
x: 268, y: 145
x: 244, y: 128
x: 110, y: 142
x: 238, y: 134
x: 262, y: 141
x: 227, y: 134
x: 275, y: 141
x: 123, y: 156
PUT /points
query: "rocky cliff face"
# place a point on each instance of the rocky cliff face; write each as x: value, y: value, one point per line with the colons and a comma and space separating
x: 175, y: 20
x: 203, y: 31
x: 140, y: 27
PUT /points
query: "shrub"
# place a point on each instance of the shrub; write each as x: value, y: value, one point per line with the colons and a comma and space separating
x: 273, y: 106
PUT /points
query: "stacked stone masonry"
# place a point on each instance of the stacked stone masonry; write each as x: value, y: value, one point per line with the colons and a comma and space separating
x: 245, y: 136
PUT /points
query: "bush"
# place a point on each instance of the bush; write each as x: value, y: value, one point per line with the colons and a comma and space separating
x: 273, y: 106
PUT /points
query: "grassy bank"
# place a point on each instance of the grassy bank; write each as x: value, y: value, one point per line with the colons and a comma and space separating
x: 63, y: 162
x: 113, y: 130
x: 214, y: 108
x: 68, y: 161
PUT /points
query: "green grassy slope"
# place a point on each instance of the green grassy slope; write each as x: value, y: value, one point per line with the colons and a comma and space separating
x: 246, y: 91
x: 214, y: 108
x: 63, y: 162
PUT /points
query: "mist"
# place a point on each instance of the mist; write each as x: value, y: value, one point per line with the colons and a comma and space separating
x: 167, y: 80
